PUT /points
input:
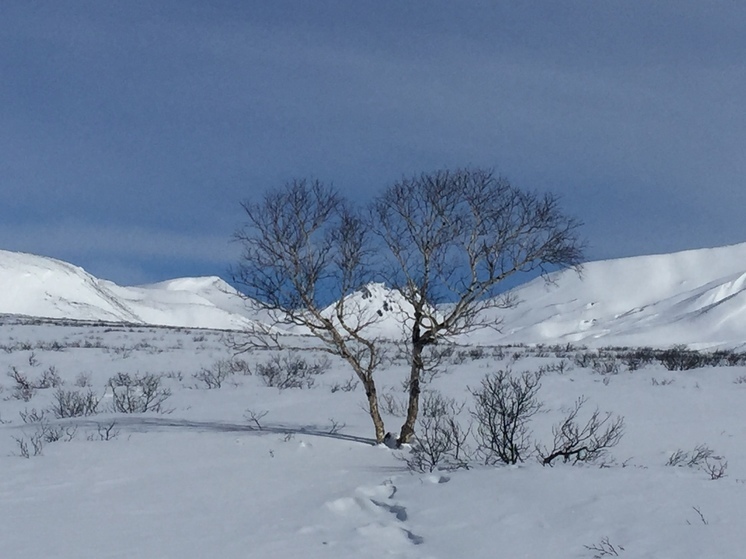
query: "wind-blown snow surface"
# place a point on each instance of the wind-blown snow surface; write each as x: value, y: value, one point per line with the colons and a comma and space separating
x: 203, y: 481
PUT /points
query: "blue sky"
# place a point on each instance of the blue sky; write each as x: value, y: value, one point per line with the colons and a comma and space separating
x: 130, y: 131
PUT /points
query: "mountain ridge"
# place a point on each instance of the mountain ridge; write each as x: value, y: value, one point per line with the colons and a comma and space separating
x: 695, y: 297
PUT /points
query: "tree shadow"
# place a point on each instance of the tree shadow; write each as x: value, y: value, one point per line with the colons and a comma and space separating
x: 163, y: 423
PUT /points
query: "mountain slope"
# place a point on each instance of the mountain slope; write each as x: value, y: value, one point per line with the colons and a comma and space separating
x: 39, y: 286
x: 692, y: 297
x: 45, y: 287
x: 695, y: 297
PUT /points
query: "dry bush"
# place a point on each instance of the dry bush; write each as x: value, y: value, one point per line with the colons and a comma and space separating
x: 74, y: 403
x: 503, y: 407
x: 291, y: 371
x: 440, y: 440
x: 575, y: 442
x: 138, y: 393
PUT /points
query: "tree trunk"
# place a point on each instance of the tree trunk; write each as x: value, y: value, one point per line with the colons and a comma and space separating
x: 407, y: 430
x: 375, y: 414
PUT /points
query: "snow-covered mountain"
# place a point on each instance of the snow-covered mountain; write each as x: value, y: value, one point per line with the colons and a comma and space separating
x: 694, y: 297
x: 45, y: 287
x: 383, y: 311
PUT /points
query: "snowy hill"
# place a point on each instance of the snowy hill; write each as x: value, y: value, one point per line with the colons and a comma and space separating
x: 45, y: 287
x: 383, y: 311
x: 38, y: 286
x: 693, y: 297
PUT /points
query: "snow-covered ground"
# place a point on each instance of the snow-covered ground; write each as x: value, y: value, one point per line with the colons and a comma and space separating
x: 203, y: 480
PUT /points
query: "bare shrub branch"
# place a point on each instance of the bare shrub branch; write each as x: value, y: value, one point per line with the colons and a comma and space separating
x: 255, y: 416
x: 587, y: 443
x: 215, y: 375
x: 348, y: 386
x: 440, y: 442
x: 694, y: 459
x: 105, y: 432
x: 715, y: 468
x: 290, y: 370
x: 74, y: 403
x: 604, y: 549
x: 23, y: 389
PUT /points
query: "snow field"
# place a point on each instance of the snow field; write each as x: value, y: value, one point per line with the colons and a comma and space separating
x: 203, y: 481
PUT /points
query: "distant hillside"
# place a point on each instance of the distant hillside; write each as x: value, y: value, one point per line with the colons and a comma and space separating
x: 45, y: 287
x: 694, y: 297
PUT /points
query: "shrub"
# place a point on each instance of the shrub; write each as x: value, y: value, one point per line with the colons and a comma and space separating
x: 605, y: 366
x: 33, y: 415
x: 348, y: 386
x: 74, y: 403
x: 638, y: 358
x: 83, y: 380
x: 24, y: 450
x: 50, y: 378
x: 503, y: 408
x: 702, y: 457
x: 604, y: 549
x: 679, y: 358
x: 584, y: 360
x: 216, y: 375
x: 695, y: 458
x: 393, y: 403
x: 716, y: 469
x: 440, y: 441
x: 23, y: 389
x: 138, y: 394
x: 573, y: 443
x: 104, y: 432
x: 32, y: 445
x: 291, y: 371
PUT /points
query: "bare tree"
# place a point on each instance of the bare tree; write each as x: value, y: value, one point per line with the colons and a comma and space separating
x: 305, y: 252
x: 454, y: 236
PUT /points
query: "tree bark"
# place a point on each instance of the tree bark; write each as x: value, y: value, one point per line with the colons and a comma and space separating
x: 375, y: 414
x: 415, y: 372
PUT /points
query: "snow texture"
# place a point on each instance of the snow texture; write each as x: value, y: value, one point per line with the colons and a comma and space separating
x: 303, y: 479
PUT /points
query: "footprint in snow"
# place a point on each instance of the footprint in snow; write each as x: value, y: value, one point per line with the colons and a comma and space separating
x: 371, y: 501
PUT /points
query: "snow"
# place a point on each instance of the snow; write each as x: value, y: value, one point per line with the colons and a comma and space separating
x: 202, y: 482
x: 44, y: 287
x: 693, y: 297
x: 205, y: 481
